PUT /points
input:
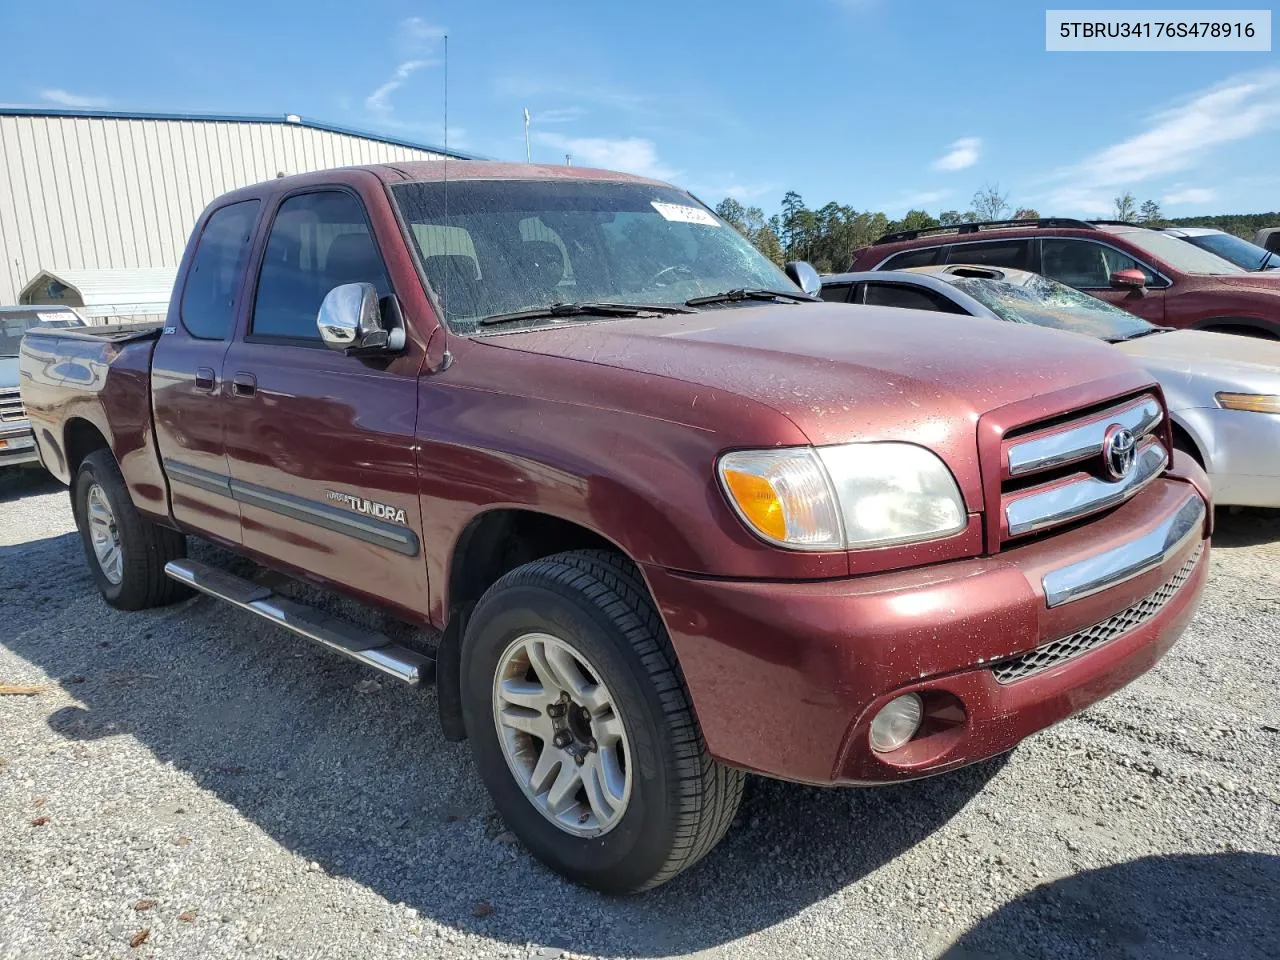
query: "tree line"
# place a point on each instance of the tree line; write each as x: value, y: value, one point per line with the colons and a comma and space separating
x: 827, y: 237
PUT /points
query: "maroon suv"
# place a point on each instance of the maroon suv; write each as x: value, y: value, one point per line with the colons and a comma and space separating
x: 1159, y: 277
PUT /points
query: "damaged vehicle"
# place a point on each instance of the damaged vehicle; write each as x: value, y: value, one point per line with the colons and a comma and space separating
x: 658, y: 519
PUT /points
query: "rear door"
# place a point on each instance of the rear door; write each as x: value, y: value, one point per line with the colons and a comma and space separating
x: 1088, y: 266
x: 186, y: 374
x: 321, y: 445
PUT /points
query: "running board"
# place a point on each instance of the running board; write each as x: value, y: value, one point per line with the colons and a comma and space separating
x: 359, y: 643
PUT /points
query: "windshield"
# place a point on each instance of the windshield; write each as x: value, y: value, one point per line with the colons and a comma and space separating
x: 512, y: 245
x: 1048, y: 303
x: 1240, y: 252
x: 1181, y: 255
x: 13, y: 327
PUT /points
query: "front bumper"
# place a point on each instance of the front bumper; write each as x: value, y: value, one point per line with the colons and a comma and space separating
x: 17, y: 444
x: 1241, y: 454
x: 786, y: 677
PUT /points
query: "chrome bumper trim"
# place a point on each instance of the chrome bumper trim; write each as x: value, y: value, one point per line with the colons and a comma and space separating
x: 1084, y: 441
x: 1047, y: 508
x: 1122, y: 563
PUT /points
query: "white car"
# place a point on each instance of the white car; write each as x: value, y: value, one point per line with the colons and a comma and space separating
x: 1228, y: 246
x: 1223, y: 391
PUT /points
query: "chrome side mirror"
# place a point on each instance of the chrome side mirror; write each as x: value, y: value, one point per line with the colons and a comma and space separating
x: 350, y: 320
x: 805, y: 277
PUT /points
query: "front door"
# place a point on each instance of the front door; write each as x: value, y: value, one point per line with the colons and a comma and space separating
x: 1088, y: 266
x: 321, y: 445
x: 186, y: 375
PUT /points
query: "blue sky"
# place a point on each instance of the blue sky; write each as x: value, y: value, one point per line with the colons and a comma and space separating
x: 875, y: 103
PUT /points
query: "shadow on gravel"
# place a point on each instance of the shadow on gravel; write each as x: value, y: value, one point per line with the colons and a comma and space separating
x: 19, y: 482
x: 363, y: 784
x: 1215, y: 906
x: 1245, y: 528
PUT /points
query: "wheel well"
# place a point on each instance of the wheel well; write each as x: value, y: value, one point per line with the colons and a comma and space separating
x: 1243, y: 328
x: 1183, y: 440
x: 492, y: 544
x: 81, y: 438
x: 501, y: 540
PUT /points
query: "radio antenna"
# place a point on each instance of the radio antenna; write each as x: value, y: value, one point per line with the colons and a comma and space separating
x: 444, y: 306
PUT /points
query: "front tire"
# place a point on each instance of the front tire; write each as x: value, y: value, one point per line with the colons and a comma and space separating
x: 125, y: 552
x: 582, y: 727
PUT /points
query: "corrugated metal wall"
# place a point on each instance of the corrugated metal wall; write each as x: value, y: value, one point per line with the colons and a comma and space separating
x: 97, y: 192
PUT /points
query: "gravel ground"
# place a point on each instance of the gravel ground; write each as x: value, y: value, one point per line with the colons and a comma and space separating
x: 193, y: 783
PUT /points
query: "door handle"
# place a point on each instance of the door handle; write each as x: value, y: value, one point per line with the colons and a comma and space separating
x: 205, y: 378
x: 244, y: 385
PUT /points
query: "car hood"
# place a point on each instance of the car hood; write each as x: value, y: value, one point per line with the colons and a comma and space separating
x: 1192, y: 365
x: 8, y: 372
x: 843, y: 372
x: 1266, y: 281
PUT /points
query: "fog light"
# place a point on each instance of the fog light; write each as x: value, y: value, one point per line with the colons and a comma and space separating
x: 896, y: 723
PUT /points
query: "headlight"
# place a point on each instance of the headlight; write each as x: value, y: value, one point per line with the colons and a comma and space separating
x: 843, y: 497
x: 1253, y: 402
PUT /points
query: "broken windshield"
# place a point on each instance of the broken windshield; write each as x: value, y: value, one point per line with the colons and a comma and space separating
x: 507, y: 246
x: 1048, y: 303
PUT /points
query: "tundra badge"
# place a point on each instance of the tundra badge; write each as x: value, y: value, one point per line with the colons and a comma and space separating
x: 382, y: 511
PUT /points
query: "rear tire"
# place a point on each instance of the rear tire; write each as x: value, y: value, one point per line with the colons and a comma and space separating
x: 591, y: 610
x: 126, y: 553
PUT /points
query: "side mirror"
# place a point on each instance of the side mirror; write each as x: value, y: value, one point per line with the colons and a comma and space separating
x: 1128, y: 280
x: 805, y: 277
x: 350, y: 320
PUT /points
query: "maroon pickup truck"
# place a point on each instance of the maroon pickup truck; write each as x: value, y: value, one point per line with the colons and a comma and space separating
x: 658, y: 517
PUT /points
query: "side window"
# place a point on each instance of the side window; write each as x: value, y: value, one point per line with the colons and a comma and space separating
x: 911, y: 258
x: 1085, y: 264
x: 836, y: 292
x: 994, y: 253
x: 318, y: 241
x: 902, y: 295
x: 208, y: 296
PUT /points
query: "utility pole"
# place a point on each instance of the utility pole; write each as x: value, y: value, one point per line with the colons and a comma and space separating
x: 528, y: 153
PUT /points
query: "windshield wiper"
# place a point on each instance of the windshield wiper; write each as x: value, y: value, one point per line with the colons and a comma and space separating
x: 1139, y: 334
x: 1265, y: 260
x: 733, y: 296
x: 601, y: 308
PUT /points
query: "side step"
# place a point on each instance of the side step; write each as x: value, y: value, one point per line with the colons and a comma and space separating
x: 359, y: 643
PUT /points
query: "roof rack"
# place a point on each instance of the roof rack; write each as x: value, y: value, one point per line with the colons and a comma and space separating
x: 1058, y: 222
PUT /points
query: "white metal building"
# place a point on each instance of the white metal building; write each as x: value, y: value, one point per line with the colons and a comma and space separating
x: 86, y: 191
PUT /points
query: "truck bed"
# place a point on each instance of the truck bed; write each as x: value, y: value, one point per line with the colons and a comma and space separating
x: 90, y: 387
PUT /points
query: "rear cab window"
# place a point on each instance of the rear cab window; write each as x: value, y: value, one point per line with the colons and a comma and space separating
x: 318, y: 241
x: 207, y: 309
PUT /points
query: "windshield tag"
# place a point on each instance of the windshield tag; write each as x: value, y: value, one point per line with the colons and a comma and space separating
x: 679, y: 213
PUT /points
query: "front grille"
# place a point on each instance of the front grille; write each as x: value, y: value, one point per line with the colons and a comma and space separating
x: 11, y: 406
x: 1057, y: 472
x: 1082, y: 641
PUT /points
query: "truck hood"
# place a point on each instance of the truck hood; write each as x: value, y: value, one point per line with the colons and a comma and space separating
x: 842, y: 372
x: 1193, y: 365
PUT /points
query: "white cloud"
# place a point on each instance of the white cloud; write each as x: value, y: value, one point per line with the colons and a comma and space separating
x: 739, y: 190
x: 961, y: 154
x: 561, y: 115
x: 380, y: 100
x: 65, y: 99
x: 628, y: 154
x: 1189, y: 195
x: 914, y: 200
x: 417, y: 41
x: 1176, y: 139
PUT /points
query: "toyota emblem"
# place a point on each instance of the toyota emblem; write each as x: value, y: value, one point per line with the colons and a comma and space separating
x: 1119, y: 449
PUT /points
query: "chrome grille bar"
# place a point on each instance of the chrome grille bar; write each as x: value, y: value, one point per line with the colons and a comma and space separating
x: 1129, y: 560
x: 1039, y: 509
x: 1082, y: 441
x: 11, y: 406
